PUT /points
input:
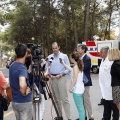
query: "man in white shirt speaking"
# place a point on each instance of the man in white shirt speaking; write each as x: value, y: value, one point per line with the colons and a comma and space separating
x: 105, y: 85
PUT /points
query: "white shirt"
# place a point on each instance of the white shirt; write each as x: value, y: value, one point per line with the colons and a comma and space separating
x: 79, y: 86
x: 105, y: 79
x: 83, y: 57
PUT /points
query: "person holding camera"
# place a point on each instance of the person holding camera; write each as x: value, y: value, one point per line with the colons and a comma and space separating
x: 37, y: 86
x: 57, y: 75
x: 19, y: 83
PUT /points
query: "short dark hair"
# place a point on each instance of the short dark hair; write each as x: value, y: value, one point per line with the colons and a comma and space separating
x: 83, y: 47
x: 20, y: 50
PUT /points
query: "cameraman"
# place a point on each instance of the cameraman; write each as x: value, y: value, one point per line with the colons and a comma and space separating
x: 19, y: 83
x: 34, y: 78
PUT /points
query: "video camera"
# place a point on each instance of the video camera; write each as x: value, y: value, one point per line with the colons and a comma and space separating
x: 36, y: 52
x: 35, y: 49
x: 36, y: 57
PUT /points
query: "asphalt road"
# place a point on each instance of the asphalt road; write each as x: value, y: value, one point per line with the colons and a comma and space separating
x: 49, y: 109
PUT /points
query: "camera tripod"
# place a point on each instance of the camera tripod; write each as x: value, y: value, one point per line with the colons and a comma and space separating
x: 53, y: 102
x: 36, y: 97
x: 37, y: 69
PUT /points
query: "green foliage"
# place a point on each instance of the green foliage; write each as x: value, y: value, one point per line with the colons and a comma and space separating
x: 21, y: 29
x: 52, y: 20
x: 1, y: 18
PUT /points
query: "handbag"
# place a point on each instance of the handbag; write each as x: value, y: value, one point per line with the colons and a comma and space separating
x: 85, y: 79
x: 9, y: 94
x: 5, y: 101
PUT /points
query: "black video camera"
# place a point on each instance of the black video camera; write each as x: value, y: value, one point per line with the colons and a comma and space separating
x: 35, y: 49
x: 36, y: 52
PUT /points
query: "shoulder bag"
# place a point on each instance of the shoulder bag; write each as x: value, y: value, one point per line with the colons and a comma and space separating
x: 5, y: 101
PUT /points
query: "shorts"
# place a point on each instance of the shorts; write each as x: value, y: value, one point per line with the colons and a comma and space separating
x: 23, y: 111
x: 116, y: 94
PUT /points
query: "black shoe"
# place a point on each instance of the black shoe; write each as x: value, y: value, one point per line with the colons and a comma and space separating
x: 77, y: 119
x: 56, y: 118
x: 102, y: 119
x: 91, y: 119
x: 100, y: 104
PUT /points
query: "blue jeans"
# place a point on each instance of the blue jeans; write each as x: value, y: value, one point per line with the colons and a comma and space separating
x: 78, y: 99
x: 1, y: 110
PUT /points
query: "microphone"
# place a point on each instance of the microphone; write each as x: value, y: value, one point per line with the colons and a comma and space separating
x: 51, y: 60
x: 46, y: 59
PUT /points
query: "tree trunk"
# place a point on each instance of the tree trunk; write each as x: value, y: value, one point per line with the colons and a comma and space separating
x: 66, y: 25
x: 87, y: 10
x: 93, y: 20
x: 48, y: 29
x: 109, y: 21
x: 55, y: 37
x: 74, y: 25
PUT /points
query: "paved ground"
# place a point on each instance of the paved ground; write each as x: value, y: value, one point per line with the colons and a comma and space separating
x: 49, y: 109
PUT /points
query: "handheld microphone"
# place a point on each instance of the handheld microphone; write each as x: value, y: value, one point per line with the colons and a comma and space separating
x: 46, y: 59
x: 51, y: 60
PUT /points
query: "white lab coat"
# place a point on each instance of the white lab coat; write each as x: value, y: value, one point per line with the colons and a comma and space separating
x: 105, y: 79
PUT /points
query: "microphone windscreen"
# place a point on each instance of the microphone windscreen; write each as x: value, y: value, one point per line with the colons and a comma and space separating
x: 52, y: 58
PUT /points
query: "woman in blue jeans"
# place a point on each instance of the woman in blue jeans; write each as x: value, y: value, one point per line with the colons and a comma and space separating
x: 77, y: 85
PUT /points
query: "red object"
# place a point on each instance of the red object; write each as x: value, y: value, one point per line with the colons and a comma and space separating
x: 90, y: 43
x: 96, y: 54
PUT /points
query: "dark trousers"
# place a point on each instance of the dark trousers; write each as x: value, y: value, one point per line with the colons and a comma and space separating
x: 109, y: 106
x: 1, y: 110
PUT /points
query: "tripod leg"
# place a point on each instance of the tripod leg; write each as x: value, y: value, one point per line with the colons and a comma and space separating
x: 53, y: 102
x: 35, y: 110
x: 38, y: 111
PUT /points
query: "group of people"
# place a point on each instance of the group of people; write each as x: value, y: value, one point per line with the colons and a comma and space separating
x: 56, y: 71
x: 81, y: 92
x: 109, y: 80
